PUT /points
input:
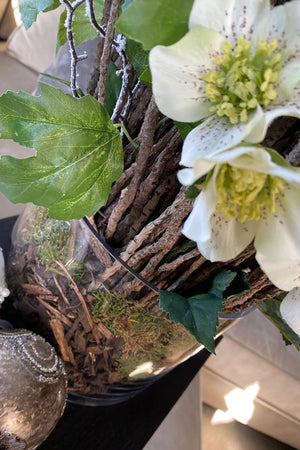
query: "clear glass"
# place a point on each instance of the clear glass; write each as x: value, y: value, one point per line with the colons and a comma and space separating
x: 64, y: 285
x: 106, y: 336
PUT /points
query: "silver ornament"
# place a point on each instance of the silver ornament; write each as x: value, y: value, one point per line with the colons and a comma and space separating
x: 33, y: 389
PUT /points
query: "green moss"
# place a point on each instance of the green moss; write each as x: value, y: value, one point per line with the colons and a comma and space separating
x: 51, y: 239
x: 147, y: 336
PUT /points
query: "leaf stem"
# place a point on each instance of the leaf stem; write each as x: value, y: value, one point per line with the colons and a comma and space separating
x: 163, y: 120
x: 134, y: 144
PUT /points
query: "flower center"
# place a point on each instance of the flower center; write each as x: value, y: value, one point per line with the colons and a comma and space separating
x: 241, y: 81
x: 246, y: 194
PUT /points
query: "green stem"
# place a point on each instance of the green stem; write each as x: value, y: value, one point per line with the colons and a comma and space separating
x: 163, y: 120
x: 134, y: 144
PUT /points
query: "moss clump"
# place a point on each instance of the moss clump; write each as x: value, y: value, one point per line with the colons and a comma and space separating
x: 147, y: 336
x: 51, y: 240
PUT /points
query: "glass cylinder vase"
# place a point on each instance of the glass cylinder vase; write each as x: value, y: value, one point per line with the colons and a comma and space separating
x: 65, y: 286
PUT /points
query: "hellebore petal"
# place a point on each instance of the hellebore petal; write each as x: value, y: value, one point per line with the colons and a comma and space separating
x: 290, y: 310
x: 261, y: 201
x: 176, y: 72
x: 281, y: 23
x: 210, y: 137
x: 229, y: 17
x: 277, y: 242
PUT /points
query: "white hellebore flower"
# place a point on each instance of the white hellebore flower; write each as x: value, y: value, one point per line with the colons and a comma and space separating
x: 250, y: 193
x: 238, y: 66
x: 4, y: 292
x: 290, y: 310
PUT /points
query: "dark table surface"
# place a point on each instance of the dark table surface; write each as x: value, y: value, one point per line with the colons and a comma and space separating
x: 126, y: 426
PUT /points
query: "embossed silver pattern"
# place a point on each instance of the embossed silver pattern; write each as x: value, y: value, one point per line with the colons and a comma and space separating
x: 33, y: 389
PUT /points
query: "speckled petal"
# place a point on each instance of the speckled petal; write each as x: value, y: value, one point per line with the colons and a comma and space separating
x: 256, y: 128
x: 210, y: 137
x: 281, y: 23
x: 197, y: 225
x: 229, y: 17
x: 218, y: 238
x: 176, y: 74
x: 277, y: 242
x: 260, y: 160
x: 289, y: 78
x: 289, y: 108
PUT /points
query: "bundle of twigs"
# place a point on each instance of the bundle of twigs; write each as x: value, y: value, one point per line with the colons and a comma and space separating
x: 147, y: 207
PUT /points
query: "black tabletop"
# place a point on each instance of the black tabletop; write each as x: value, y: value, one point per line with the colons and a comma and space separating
x: 126, y: 426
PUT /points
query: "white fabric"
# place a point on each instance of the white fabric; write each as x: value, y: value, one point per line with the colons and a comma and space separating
x: 36, y: 47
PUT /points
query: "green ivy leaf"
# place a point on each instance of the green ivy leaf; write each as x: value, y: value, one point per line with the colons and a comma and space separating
x: 198, y: 314
x: 79, y: 152
x: 139, y: 58
x: 271, y: 309
x: 155, y: 22
x: 29, y: 9
x: 239, y: 285
x: 114, y: 84
x: 82, y: 29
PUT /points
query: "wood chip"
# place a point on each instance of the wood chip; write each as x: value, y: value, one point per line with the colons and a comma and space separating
x: 35, y: 289
x: 104, y: 331
x: 65, y: 349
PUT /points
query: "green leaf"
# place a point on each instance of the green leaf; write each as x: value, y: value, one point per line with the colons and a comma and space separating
x: 114, y: 84
x: 271, y: 309
x: 192, y: 192
x: 125, y: 4
x: 155, y: 22
x: 60, y: 80
x: 81, y: 26
x: 239, y: 285
x: 221, y: 282
x: 79, y: 152
x: 139, y: 58
x: 29, y: 9
x: 146, y: 77
x: 198, y: 314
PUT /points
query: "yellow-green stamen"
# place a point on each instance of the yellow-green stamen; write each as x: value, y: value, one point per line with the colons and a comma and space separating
x: 246, y: 194
x: 243, y: 81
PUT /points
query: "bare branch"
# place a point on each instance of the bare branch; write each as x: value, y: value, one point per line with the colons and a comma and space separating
x: 70, y: 8
x: 106, y: 54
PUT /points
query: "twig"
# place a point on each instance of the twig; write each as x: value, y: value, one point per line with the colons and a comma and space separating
x: 196, y: 264
x: 128, y: 194
x: 121, y: 183
x: 106, y: 54
x: 89, y: 7
x: 116, y: 257
x: 154, y: 227
x: 61, y: 290
x: 173, y: 265
x: 70, y: 8
x: 72, y: 239
x: 80, y: 297
x: 56, y: 312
